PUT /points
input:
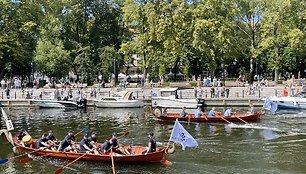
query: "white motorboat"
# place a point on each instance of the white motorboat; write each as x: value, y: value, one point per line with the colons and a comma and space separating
x: 45, y: 103
x: 169, y: 98
x: 297, y: 101
x: 122, y: 99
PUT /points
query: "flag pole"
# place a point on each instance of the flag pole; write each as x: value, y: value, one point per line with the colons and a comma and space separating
x: 171, y: 133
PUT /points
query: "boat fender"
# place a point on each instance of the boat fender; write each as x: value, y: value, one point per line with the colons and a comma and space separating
x: 157, y: 112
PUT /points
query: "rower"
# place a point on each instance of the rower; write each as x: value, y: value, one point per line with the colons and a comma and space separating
x: 65, y: 145
x: 165, y: 111
x: 52, y: 141
x: 84, y: 145
x: 198, y: 113
x: 212, y: 112
x: 111, y: 143
x: 93, y: 142
x: 151, y: 144
x: 20, y: 135
x: 252, y: 109
x: 228, y: 112
x: 42, y: 143
x: 51, y: 138
x: 70, y: 136
x: 183, y: 113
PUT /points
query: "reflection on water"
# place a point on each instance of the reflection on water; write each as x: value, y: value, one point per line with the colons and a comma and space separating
x: 276, y: 144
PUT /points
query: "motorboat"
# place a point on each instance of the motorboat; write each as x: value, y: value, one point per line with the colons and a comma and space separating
x: 297, y: 101
x: 122, y: 99
x: 169, y: 98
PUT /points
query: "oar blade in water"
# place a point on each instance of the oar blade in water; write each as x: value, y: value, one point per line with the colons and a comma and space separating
x: 58, y: 171
x: 26, y: 160
x: 2, y: 161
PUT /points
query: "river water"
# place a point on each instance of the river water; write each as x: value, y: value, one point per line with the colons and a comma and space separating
x: 276, y: 144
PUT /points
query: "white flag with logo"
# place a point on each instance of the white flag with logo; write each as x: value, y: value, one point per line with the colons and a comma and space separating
x: 180, y: 135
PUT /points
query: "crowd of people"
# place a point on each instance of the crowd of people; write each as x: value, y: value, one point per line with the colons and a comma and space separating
x: 88, y: 144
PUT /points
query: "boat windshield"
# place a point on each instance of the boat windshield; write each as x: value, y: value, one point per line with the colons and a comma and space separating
x: 301, y: 94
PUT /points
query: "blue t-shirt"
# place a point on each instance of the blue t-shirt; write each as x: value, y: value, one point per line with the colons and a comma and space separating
x: 197, y: 114
x: 211, y: 113
x: 228, y: 113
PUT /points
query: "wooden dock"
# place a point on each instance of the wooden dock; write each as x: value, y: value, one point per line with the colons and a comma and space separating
x: 217, y: 102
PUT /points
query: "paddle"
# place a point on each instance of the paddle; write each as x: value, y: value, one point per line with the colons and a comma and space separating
x: 59, y: 170
x: 241, y: 119
x: 220, y: 116
x: 2, y: 161
x: 113, y: 162
x: 84, y: 130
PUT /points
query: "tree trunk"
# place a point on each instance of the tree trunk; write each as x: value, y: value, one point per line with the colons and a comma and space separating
x: 275, y: 76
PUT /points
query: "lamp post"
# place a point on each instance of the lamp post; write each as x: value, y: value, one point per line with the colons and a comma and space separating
x: 114, y: 85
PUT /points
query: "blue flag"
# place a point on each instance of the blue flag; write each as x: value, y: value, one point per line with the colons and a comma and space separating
x: 180, y: 135
x: 270, y: 105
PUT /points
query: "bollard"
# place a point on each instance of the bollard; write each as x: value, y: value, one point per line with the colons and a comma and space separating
x: 109, y: 93
x: 181, y: 94
x: 258, y: 93
x: 2, y: 95
x: 242, y: 93
x: 137, y: 94
x: 15, y: 95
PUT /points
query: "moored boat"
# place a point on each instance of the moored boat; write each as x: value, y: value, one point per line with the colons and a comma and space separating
x: 135, y: 156
x: 205, y: 118
x: 169, y: 98
x: 122, y: 99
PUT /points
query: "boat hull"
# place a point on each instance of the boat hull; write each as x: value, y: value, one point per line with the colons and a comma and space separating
x: 205, y: 118
x: 289, y: 102
x: 55, y: 104
x: 119, y: 104
x: 136, y: 157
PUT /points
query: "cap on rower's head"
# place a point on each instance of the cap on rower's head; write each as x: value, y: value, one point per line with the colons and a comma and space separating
x: 50, y: 131
x: 86, y: 135
x: 94, y: 133
x: 44, y: 135
x: 114, y: 134
x: 71, y: 131
x: 151, y: 134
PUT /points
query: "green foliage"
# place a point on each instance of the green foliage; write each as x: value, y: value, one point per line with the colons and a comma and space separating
x: 193, y: 83
x: 84, y: 37
x: 166, y: 84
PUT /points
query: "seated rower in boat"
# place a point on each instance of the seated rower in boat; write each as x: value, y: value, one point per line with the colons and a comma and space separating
x: 42, y: 143
x: 93, y: 142
x: 52, y: 141
x: 113, y: 143
x: 74, y: 146
x: 198, y: 113
x: 228, y: 112
x: 66, y: 146
x: 212, y: 113
x: 84, y: 145
x: 165, y: 111
x: 252, y: 109
x: 24, y: 138
x: 183, y: 113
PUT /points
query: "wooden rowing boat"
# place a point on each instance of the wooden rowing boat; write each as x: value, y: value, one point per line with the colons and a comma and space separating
x: 205, y: 118
x: 136, y: 154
